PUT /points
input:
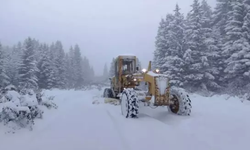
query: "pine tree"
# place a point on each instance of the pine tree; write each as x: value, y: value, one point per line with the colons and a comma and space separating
x: 68, y: 73
x: 28, y: 69
x: 72, y: 68
x: 220, y: 17
x: 105, y: 72
x: 246, y: 21
x: 174, y: 51
x: 196, y: 66
x: 246, y: 31
x: 44, y: 65
x: 4, y: 79
x: 78, y: 67
x: 161, y: 44
x: 37, y: 49
x: 86, y: 71
x: 212, y: 52
x: 13, y: 60
x: 236, y: 48
x: 59, y: 64
x: 112, y: 68
x: 54, y: 70
x: 193, y: 36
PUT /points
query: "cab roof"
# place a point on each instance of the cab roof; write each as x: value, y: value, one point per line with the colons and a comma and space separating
x: 126, y: 56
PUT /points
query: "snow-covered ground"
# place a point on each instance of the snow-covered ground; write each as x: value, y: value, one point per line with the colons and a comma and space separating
x: 77, y: 124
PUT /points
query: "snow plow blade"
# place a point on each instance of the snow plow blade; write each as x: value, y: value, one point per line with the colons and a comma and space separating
x: 111, y: 101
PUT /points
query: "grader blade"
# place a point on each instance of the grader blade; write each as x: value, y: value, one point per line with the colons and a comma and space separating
x: 111, y: 101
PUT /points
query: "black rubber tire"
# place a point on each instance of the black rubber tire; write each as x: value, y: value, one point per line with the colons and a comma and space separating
x: 108, y: 93
x: 129, y: 103
x: 184, y: 102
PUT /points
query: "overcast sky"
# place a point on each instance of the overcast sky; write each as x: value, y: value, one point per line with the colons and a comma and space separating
x: 102, y: 28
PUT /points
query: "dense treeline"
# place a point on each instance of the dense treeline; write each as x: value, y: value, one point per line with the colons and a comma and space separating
x: 34, y: 65
x: 207, y: 50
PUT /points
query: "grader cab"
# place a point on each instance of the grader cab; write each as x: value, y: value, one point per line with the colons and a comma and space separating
x: 130, y: 86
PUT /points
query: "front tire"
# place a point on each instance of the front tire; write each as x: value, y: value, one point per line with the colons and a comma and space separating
x: 180, y: 102
x: 129, y: 103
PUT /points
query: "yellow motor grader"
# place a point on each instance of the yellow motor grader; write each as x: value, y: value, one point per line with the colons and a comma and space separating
x: 130, y: 85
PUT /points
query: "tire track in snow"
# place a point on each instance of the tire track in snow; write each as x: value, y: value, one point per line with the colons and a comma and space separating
x: 178, y: 131
x: 116, y: 126
x: 143, y: 115
x: 150, y: 127
x: 139, y: 131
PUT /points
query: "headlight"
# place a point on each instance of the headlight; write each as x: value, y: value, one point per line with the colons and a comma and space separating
x: 135, y: 79
x: 157, y: 70
x: 144, y: 70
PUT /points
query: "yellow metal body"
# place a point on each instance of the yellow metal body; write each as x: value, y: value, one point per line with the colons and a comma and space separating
x: 122, y: 80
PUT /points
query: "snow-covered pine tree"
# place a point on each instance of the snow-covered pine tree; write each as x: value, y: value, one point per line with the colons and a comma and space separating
x: 28, y: 69
x: 174, y: 48
x: 246, y: 31
x: 236, y: 49
x: 246, y: 34
x: 65, y: 74
x: 161, y: 43
x: 196, y: 66
x: 13, y: 60
x: 54, y: 70
x: 59, y: 64
x: 4, y: 79
x: 37, y: 49
x: 246, y: 22
x: 112, y: 68
x: 105, y: 72
x: 44, y: 65
x: 220, y: 17
x: 68, y: 73
x: 90, y: 71
x: 86, y: 70
x: 71, y: 71
x: 211, y: 51
x: 78, y: 67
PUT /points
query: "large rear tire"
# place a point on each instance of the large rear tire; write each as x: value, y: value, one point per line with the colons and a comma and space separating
x: 180, y: 102
x: 129, y: 103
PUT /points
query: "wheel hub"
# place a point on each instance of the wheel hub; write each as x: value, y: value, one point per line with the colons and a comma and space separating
x: 174, y: 106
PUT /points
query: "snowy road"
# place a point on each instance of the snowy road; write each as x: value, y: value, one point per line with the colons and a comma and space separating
x: 215, y: 124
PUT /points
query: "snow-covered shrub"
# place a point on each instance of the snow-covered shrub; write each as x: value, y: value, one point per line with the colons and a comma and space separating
x: 46, y: 101
x: 238, y: 88
x: 19, y: 116
x: 49, y: 103
x: 19, y: 108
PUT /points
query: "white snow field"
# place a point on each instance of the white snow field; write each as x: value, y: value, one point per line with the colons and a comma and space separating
x: 77, y: 124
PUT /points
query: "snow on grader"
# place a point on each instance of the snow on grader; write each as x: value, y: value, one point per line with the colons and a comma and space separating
x: 130, y: 86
